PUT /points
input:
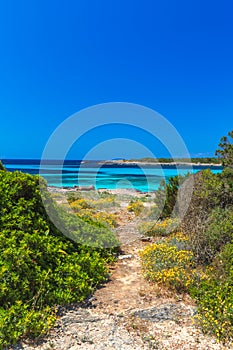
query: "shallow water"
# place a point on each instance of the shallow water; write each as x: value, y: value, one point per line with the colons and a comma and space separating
x: 73, y: 173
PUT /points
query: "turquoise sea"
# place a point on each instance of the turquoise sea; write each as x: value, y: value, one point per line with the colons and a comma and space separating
x: 110, y: 176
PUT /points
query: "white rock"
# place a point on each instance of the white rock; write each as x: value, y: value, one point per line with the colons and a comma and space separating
x: 122, y: 257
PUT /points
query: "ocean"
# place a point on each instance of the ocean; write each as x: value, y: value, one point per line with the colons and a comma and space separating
x: 103, y: 175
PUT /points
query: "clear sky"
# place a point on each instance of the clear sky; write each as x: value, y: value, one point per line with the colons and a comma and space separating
x: 58, y: 57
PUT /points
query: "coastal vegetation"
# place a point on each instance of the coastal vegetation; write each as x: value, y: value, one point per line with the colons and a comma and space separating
x: 225, y: 151
x: 40, y: 267
x: 1, y: 166
x: 165, y: 263
x: 135, y: 206
x: 197, y: 160
x: 90, y: 209
x: 197, y: 257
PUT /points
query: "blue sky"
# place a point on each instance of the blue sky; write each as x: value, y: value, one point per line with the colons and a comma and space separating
x: 59, y: 57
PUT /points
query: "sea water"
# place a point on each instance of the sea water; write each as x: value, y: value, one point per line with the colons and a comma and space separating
x: 110, y: 176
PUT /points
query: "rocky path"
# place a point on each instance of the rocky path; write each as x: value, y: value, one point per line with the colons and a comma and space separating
x: 127, y: 313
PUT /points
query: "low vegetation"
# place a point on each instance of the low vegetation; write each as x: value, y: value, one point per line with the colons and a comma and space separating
x: 158, y: 228
x: 165, y: 263
x: 204, y: 160
x: 94, y: 210
x: 1, y: 166
x: 40, y: 267
x: 200, y: 259
x: 135, y: 206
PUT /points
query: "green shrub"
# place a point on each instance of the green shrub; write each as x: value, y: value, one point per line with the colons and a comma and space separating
x: 40, y: 267
x: 224, y: 261
x: 153, y: 212
x: 215, y: 307
x: 166, y: 196
x: 146, y: 228
x: 225, y: 151
x: 216, y: 233
x: 20, y: 320
x: 73, y: 196
x: 2, y: 166
x: 107, y: 195
x: 209, y: 219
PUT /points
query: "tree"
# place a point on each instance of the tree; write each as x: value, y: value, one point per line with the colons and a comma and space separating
x: 226, y: 150
x: 1, y: 166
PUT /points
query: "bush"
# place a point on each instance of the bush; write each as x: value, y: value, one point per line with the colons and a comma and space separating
x: 217, y: 233
x: 214, y: 296
x: 136, y: 207
x: 2, y: 166
x: 103, y: 219
x: 39, y: 266
x: 179, y: 240
x: 88, y: 211
x: 168, y: 264
x: 223, y: 263
x: 215, y: 307
x: 20, y: 320
x: 225, y: 151
x: 159, y: 228
x: 146, y: 228
x: 153, y: 212
x: 208, y: 221
x: 167, y: 194
x: 165, y: 264
x: 79, y: 204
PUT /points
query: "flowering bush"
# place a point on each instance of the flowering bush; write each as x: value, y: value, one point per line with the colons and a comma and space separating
x: 106, y: 219
x: 215, y: 307
x: 214, y: 295
x: 163, y: 263
x: 136, y: 207
x: 159, y: 228
x: 80, y: 204
x: 179, y: 240
x: 104, y: 202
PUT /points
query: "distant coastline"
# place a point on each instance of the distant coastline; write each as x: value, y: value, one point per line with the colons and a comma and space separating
x: 143, y: 175
x: 33, y: 165
x: 145, y: 161
x: 126, y: 163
